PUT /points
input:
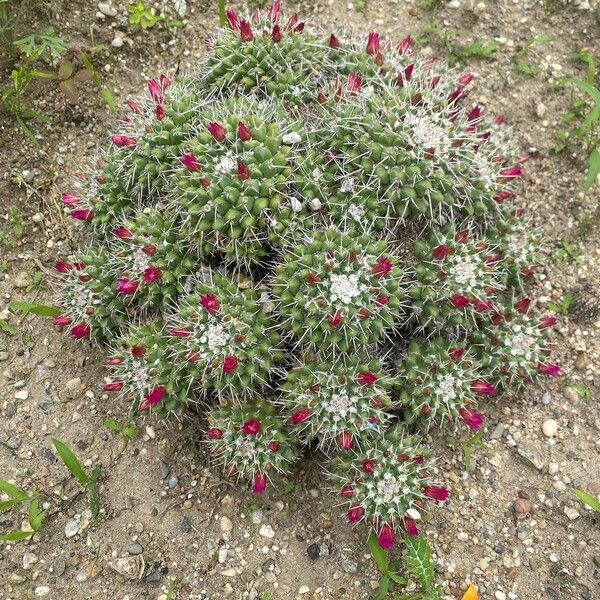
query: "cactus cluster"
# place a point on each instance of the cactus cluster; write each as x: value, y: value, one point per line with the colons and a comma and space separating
x: 318, y: 238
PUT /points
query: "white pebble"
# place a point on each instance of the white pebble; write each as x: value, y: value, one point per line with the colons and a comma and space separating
x: 291, y: 138
x: 266, y: 531
x: 550, y: 427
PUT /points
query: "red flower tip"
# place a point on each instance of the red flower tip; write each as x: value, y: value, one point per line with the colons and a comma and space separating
x: 373, y: 44
x: 153, y: 397
x: 217, y: 131
x: 115, y: 386
x: 408, y: 71
x: 385, y: 537
x: 80, y: 331
x: 152, y: 274
x: 160, y: 113
x: 273, y: 14
x: 436, y: 492
x: 456, y: 353
x: 180, y: 332
x: 242, y: 171
x: 82, y: 214
x: 499, y: 120
x: 354, y: 514
x: 190, y: 162
x: 440, y: 252
x: 113, y: 362
x: 465, y: 79
x: 461, y: 236
x: 230, y: 364
x: 127, y: 286
x: 122, y: 233
x: 546, y: 322
x: 522, y: 305
x: 410, y: 527
x: 500, y: 197
x: 345, y: 440
x: 347, y: 491
x: 214, y: 433
x: 483, y: 305
x: 382, y: 300
x: 273, y: 446
x: 366, y: 378
x: 512, y: 172
x: 62, y: 267
x: 334, y: 43
x: 243, y: 132
x: 312, y: 279
x: 138, y: 351
x: 149, y: 249
x: 124, y: 141
x: 549, y: 369
x: 483, y: 388
x: 251, y: 427
x: 134, y: 106
x: 335, y: 320
x: 404, y: 45
x: 259, y: 483
x: 61, y: 321
x: 301, y: 415
x: 210, y: 303
x: 156, y: 90
x: 473, y: 419
x: 246, y: 31
x: 232, y: 20
x: 292, y: 23
x: 69, y: 199
x: 474, y: 114
x: 459, y: 301
x: 368, y: 466
x: 276, y: 34
x: 354, y: 83
x: 382, y: 267
x: 496, y: 318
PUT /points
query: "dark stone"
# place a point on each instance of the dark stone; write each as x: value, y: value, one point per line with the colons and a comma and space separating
x: 135, y: 549
x: 267, y: 565
x: 186, y: 525
x: 49, y: 455
x: 154, y: 577
x: 499, y: 549
x: 313, y: 551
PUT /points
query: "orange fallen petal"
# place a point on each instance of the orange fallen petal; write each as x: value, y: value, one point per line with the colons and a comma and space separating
x: 470, y: 594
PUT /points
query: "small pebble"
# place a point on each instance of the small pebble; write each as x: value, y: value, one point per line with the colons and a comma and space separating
x: 71, y: 528
x: 266, y: 531
x: 134, y: 549
x: 550, y: 427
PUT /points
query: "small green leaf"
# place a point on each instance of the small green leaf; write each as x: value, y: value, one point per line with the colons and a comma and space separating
x: 111, y: 425
x: 109, y: 99
x: 71, y: 462
x: 65, y: 70
x: 93, y: 498
x: 35, y: 516
x: 379, y: 555
x: 593, y: 169
x: 384, y: 586
x: 588, y: 499
x: 16, y: 536
x: 69, y: 89
x: 13, y: 491
x: 6, y: 504
x: 6, y: 328
x: 418, y: 560
x: 35, y: 309
x: 82, y: 75
x: 129, y: 432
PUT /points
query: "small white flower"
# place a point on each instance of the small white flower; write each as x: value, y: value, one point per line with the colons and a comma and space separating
x: 345, y: 287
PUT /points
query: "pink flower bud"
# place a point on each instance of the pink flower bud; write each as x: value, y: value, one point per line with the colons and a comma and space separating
x: 190, y: 162
x: 548, y: 369
x: 365, y: 378
x: 216, y: 131
x: 345, y: 440
x: 483, y: 305
x: 368, y: 467
x: 230, y: 364
x: 274, y: 11
x: 334, y: 43
x: 127, y: 286
x: 251, y: 427
x: 62, y: 267
x: 138, y: 351
x: 355, y: 514
x: 483, y: 388
x: 440, y: 252
x: 156, y: 91
x: 459, y: 301
x: 69, y: 199
x: 273, y: 446
x: 82, y: 214
x: 404, y: 45
x: 243, y: 132
x: 373, y: 44
x: 410, y: 527
x: 160, y: 113
x: 232, y: 20
x: 152, y: 274
x: 80, y: 331
x: 354, y: 83
x: 123, y: 233
x: 276, y: 34
x: 292, y: 23
x: 301, y: 415
x: 465, y: 79
x: 180, y: 332
x: 382, y: 300
x: 214, y: 433
x: 210, y: 303
x: 153, y: 397
x: 259, y: 483
x: 546, y: 322
x: 511, y: 172
x: 246, y: 31
x: 149, y: 249
x: 381, y: 268
x: 456, y: 353
x: 115, y: 386
x: 124, y: 141
x: 385, y: 537
x: 347, y: 491
x: 62, y: 321
x: 436, y: 492
x: 335, y: 320
x: 243, y: 172
x: 473, y: 419
x: 522, y: 305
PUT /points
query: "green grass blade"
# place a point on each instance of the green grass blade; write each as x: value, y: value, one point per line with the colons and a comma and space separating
x: 379, y: 555
x: 71, y: 462
x: 13, y: 491
x: 588, y: 499
x: 35, y: 309
x: 16, y: 536
x: 592, y: 171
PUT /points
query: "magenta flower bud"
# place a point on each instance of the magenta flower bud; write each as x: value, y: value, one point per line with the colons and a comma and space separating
x: 138, y: 351
x: 410, y: 526
x: 347, y: 491
x: 190, y: 162
x: 459, y: 301
x: 381, y: 268
x: 251, y: 427
x: 522, y: 305
x: 115, y: 386
x: 408, y: 71
x: 335, y: 320
x: 80, y: 331
x: 483, y: 305
x: 354, y: 514
x: 69, y: 199
x: 365, y: 378
x: 473, y: 419
x: 274, y: 11
x: 440, y: 252
x: 373, y: 44
x: 82, y: 214
x: 436, y: 492
x: 354, y: 83
x: 385, y: 537
x: 62, y: 267
x: 501, y: 197
x: 259, y: 483
x: 404, y: 45
x: 123, y: 233
x: 276, y: 34
x: 214, y: 433
x: 160, y: 113
x: 511, y: 172
x: 152, y: 274
x: 134, y: 106
x: 124, y: 141
x: 465, y: 79
x: 334, y: 43
x: 232, y: 20
x: 456, y: 96
x: 546, y: 322
x: 483, y: 388
x: 548, y: 369
x: 456, y: 353
x: 474, y: 114
x: 216, y: 131
x: 345, y: 440
x: 127, y: 286
x: 243, y: 132
x: 301, y: 415
x: 246, y: 31
x: 368, y: 467
x: 210, y: 303
x: 153, y: 397
x: 156, y: 91
x: 230, y: 364
x: 62, y: 321
x: 291, y: 24
x: 181, y: 332
x: 242, y: 171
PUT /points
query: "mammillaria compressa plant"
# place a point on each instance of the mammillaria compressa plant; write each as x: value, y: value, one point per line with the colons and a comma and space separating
x: 318, y: 236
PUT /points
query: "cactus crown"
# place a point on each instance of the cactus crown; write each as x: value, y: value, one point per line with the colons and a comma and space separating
x: 318, y: 236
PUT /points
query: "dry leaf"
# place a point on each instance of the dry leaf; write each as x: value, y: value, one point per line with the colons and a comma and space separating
x: 470, y: 594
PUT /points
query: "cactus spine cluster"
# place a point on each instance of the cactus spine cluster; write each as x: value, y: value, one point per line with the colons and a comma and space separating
x: 319, y: 237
